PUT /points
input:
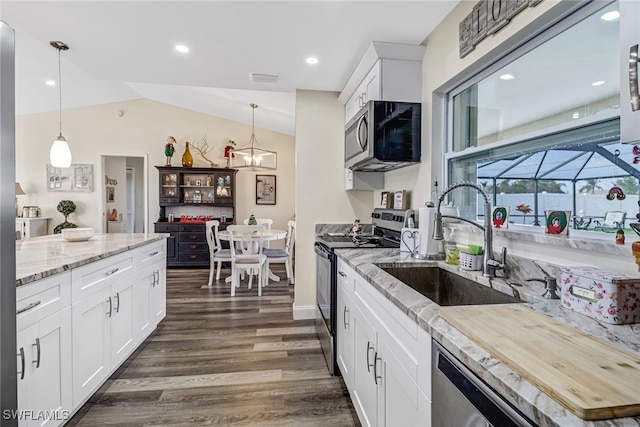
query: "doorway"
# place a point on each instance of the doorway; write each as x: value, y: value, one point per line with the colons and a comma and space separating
x: 125, y: 195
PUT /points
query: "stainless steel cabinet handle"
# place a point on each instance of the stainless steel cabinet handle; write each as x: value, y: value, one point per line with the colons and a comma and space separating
x: 110, y: 306
x: 376, y: 377
x: 21, y: 354
x: 27, y: 308
x: 154, y: 253
x: 118, y: 306
x: 369, y: 365
x: 156, y: 278
x: 109, y: 273
x: 37, y: 361
x: 633, y: 78
x: 342, y: 274
x: 344, y: 317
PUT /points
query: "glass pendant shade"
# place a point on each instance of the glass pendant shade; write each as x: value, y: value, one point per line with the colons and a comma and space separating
x: 60, y: 154
x: 252, y: 156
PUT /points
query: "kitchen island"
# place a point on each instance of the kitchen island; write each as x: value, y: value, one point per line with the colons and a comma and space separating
x: 81, y: 309
x: 513, y: 387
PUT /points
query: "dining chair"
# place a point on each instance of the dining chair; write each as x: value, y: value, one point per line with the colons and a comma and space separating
x: 247, y: 254
x: 261, y: 221
x: 216, y: 253
x: 284, y: 255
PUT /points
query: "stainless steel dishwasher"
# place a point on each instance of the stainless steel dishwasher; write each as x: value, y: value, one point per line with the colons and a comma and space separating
x: 461, y: 399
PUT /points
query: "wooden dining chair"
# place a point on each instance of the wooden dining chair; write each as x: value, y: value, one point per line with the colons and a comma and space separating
x: 261, y: 221
x: 284, y: 255
x: 247, y: 254
x: 216, y: 253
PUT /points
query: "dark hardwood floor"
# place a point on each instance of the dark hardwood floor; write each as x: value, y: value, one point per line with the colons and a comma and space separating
x: 218, y: 360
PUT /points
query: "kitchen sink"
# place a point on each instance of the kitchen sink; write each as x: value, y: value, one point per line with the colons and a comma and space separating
x: 446, y: 288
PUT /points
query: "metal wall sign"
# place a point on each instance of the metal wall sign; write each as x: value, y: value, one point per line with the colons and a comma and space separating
x: 486, y: 18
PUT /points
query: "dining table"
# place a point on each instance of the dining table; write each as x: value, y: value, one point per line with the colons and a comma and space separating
x: 268, y: 235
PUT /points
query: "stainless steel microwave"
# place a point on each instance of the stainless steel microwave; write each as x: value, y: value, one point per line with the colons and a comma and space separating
x: 383, y: 136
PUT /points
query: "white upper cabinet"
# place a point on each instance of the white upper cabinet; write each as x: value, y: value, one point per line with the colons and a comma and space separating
x: 387, y: 72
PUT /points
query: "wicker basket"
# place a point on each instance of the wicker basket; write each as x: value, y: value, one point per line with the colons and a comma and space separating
x: 470, y: 262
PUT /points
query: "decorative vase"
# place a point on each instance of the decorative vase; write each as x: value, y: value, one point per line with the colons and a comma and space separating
x: 187, y: 158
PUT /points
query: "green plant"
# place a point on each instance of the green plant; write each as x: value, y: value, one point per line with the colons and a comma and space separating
x: 252, y: 220
x: 66, y: 208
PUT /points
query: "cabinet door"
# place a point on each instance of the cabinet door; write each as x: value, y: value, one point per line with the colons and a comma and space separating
x: 141, y: 314
x: 158, y: 294
x: 400, y: 402
x: 372, y: 91
x: 224, y: 188
x: 91, y: 324
x: 345, y: 336
x: 365, y: 390
x: 24, y: 339
x: 169, y: 190
x: 121, y: 329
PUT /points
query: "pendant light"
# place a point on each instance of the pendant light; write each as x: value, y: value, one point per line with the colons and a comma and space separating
x: 60, y: 154
x: 252, y: 156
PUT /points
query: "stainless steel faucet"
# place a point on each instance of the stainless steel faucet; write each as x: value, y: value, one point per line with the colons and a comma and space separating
x: 489, y: 265
x: 550, y: 286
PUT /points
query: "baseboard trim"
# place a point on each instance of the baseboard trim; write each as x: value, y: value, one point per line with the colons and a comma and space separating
x: 303, y: 312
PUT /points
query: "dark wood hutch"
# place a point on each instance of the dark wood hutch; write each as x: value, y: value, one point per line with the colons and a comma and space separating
x: 186, y: 194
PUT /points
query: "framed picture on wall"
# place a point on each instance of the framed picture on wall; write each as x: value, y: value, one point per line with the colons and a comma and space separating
x: 74, y: 178
x: 111, y: 194
x: 265, y: 189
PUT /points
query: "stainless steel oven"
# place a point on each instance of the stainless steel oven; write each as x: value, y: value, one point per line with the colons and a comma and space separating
x: 387, y: 224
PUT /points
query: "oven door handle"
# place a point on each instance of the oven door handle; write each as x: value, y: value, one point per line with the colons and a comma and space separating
x: 321, y: 252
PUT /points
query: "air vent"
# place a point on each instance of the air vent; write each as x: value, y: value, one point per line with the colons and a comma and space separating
x: 263, y: 78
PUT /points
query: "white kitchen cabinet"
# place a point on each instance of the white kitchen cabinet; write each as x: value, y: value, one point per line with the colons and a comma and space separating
x: 102, y: 315
x: 357, y: 180
x: 389, y: 370
x: 149, y: 300
x: 387, y: 72
x: 32, y: 227
x: 345, y: 323
x: 44, y: 351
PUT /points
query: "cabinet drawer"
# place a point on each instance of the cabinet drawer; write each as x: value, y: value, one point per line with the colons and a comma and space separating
x: 148, y: 254
x: 93, y: 277
x: 166, y: 228
x: 186, y: 247
x: 42, y: 298
x: 192, y: 236
x: 192, y: 228
x: 194, y: 257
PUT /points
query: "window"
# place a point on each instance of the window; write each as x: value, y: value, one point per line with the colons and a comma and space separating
x: 543, y: 130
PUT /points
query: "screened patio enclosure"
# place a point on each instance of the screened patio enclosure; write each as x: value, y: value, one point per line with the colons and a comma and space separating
x: 578, y: 167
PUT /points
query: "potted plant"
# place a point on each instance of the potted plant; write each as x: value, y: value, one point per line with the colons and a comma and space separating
x: 66, y: 208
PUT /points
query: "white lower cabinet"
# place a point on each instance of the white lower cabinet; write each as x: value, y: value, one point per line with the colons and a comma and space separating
x: 149, y: 299
x: 44, y: 352
x: 385, y: 358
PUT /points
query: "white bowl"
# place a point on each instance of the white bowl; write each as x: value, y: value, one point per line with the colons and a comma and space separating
x: 77, y: 234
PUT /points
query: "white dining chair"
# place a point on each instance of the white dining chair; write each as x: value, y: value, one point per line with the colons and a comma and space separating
x: 284, y: 255
x: 261, y: 221
x: 247, y: 254
x: 216, y: 253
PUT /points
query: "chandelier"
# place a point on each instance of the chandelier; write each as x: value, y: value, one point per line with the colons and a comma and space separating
x: 252, y: 156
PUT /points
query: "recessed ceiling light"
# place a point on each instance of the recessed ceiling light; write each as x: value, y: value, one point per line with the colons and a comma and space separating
x: 507, y: 77
x: 182, y: 48
x: 598, y: 83
x: 312, y: 60
x: 50, y: 82
x: 614, y: 15
x: 576, y: 115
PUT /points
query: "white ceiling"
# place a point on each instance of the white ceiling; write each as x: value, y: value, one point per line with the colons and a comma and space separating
x: 123, y: 50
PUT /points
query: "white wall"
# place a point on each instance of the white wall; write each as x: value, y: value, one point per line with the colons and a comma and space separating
x: 143, y: 129
x: 320, y: 193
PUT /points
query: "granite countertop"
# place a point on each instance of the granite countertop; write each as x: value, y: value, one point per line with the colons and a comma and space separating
x: 45, y: 256
x: 534, y: 403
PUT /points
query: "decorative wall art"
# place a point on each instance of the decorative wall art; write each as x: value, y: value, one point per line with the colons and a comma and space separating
x: 75, y: 178
x: 111, y: 194
x: 265, y: 189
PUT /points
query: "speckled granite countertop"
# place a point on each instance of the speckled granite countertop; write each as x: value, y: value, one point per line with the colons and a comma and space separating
x: 45, y: 256
x: 535, y: 404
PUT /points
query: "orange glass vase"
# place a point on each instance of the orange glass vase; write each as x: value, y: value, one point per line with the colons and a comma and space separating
x: 187, y: 158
